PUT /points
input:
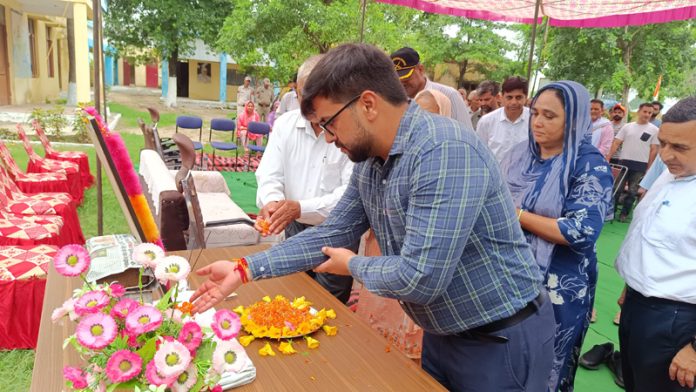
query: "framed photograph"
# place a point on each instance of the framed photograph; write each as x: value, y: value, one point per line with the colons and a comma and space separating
x: 204, y: 72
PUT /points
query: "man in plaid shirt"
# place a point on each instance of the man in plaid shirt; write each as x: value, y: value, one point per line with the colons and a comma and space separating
x: 454, y: 253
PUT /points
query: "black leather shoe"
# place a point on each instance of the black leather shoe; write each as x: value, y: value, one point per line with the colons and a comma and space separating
x: 614, y: 364
x: 597, y: 355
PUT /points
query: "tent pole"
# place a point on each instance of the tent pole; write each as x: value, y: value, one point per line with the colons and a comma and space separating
x: 97, y: 55
x: 363, y: 6
x: 531, y: 45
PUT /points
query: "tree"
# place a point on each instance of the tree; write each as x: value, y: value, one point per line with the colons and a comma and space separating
x: 468, y: 43
x: 619, y: 59
x: 279, y: 35
x: 168, y: 27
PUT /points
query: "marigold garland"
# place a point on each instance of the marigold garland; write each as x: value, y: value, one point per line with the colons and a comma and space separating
x: 126, y: 172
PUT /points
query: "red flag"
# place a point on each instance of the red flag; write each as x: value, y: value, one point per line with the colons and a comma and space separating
x: 656, y: 94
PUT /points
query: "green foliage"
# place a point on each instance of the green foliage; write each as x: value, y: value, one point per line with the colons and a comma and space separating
x: 52, y: 120
x: 469, y: 43
x: 617, y: 59
x: 281, y: 34
x: 168, y: 27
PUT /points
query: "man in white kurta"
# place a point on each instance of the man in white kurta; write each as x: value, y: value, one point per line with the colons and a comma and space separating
x: 300, y: 179
x: 658, y: 262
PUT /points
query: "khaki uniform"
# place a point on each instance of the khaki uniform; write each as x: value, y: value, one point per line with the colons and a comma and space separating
x: 244, y: 94
x: 264, y: 97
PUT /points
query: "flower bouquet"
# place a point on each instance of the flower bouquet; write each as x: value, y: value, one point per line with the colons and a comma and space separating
x: 127, y: 344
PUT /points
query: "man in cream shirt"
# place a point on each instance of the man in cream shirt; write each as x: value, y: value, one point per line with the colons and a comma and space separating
x: 658, y: 262
x: 300, y: 179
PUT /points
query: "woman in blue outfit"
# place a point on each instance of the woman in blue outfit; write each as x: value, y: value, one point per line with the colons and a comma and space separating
x: 562, y: 186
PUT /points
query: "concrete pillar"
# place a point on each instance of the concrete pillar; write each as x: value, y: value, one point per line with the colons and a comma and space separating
x: 223, y: 77
x: 165, y: 78
x: 109, y: 70
x: 81, y: 52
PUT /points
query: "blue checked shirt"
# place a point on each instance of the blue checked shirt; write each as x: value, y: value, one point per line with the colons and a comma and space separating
x: 454, y: 254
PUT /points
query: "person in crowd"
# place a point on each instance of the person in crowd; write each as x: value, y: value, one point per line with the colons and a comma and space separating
x: 602, y: 131
x: 462, y: 92
x: 300, y: 179
x: 454, y: 254
x: 385, y: 314
x: 657, y: 333
x: 412, y: 75
x: 657, y: 108
x: 506, y: 127
x: 487, y: 93
x: 473, y: 103
x: 272, y: 114
x: 434, y: 101
x: 289, y: 100
x: 562, y: 188
x: 264, y: 97
x: 248, y: 115
x: 617, y: 117
x: 245, y: 93
x: 639, y: 147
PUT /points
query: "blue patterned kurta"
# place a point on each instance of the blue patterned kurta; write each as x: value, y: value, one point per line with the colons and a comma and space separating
x: 572, y: 274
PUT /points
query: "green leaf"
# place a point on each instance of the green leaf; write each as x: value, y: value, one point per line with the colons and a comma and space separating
x: 147, y: 351
x: 163, y: 304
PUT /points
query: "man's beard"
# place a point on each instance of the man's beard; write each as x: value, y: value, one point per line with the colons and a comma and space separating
x: 362, y: 151
x: 617, y: 118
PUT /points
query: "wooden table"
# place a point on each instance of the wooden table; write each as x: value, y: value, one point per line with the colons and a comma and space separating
x: 356, y: 359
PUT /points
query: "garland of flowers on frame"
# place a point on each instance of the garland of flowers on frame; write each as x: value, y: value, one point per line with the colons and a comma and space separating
x: 126, y: 172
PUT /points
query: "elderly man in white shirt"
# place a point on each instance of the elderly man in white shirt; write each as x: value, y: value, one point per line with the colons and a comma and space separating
x: 658, y: 262
x: 508, y: 126
x: 300, y: 179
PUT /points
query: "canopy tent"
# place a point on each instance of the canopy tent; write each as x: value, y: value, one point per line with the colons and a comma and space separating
x: 560, y: 13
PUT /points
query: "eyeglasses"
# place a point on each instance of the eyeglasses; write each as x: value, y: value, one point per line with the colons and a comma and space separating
x: 325, y: 125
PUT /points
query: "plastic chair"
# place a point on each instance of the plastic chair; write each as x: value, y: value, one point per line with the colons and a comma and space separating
x: 619, y: 173
x: 223, y: 125
x: 191, y: 122
x: 257, y: 128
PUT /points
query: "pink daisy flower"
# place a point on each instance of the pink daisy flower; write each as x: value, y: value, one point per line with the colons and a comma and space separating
x: 172, y: 358
x: 71, y: 260
x: 96, y: 331
x: 147, y: 254
x: 76, y: 376
x: 226, y: 324
x: 67, y: 307
x: 186, y: 380
x: 191, y: 336
x: 172, y: 269
x: 143, y: 319
x: 117, y: 290
x: 123, y: 365
x: 229, y: 356
x: 124, y: 307
x: 91, y: 302
x: 156, y: 378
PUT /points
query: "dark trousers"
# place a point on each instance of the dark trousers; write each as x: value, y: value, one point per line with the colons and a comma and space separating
x: 651, y: 332
x: 523, y: 363
x: 338, y: 285
x: 633, y: 178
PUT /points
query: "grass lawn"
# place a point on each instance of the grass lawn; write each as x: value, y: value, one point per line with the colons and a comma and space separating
x: 16, y: 366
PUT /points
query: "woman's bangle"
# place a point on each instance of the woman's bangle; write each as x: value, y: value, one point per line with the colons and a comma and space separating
x: 519, y: 214
x: 242, y: 268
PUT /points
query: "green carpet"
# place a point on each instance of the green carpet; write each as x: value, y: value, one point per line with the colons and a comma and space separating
x: 609, y: 285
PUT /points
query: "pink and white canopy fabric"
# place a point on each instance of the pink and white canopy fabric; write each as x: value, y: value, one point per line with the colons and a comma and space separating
x: 562, y: 13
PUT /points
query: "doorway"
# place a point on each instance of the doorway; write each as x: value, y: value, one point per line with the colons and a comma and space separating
x: 182, y: 79
x: 5, y: 96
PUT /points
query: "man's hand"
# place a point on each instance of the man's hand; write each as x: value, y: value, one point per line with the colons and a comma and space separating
x: 622, y: 297
x: 222, y: 281
x: 337, y: 263
x: 265, y: 214
x: 286, y: 212
x: 683, y: 367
